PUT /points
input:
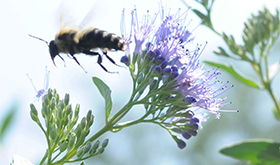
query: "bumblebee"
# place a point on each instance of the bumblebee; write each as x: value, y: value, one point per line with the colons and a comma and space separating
x: 73, y: 41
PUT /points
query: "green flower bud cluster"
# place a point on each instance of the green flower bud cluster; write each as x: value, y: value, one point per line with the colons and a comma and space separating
x: 91, y: 149
x: 64, y: 135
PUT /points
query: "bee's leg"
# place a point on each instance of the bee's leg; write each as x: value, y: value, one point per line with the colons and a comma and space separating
x: 99, y: 60
x: 78, y: 63
x: 87, y: 52
x: 110, y: 59
x: 62, y: 60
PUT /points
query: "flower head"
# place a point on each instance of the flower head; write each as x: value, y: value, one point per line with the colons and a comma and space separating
x: 179, y: 86
x: 41, y: 93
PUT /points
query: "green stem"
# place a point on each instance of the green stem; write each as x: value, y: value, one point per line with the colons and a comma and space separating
x: 109, y: 126
x: 117, y: 117
x: 275, y: 100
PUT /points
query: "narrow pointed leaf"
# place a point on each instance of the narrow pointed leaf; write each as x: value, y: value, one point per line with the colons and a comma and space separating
x: 106, y: 94
x: 229, y: 68
x: 259, y: 152
x: 7, y: 122
x: 221, y: 52
x: 205, y: 18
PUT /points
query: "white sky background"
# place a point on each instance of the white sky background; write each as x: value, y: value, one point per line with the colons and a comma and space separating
x: 21, y: 54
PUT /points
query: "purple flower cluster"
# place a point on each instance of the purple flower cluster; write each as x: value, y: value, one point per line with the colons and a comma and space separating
x: 165, y: 55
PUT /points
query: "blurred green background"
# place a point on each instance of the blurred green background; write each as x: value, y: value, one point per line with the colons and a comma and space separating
x: 142, y: 144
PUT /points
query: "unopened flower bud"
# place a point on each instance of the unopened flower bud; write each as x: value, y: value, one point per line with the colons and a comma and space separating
x: 159, y: 59
x: 180, y: 143
x: 72, y: 140
x: 87, y: 147
x: 100, y: 150
x: 186, y: 135
x: 194, y: 120
x: 53, y: 132
x: 187, y: 114
x: 46, y: 99
x: 63, y: 146
x: 157, y: 69
x: 153, y: 84
x: 77, y: 109
x: 176, y: 130
x: 192, y: 132
x: 78, y: 130
x: 150, y: 54
x: 96, y: 144
x: 90, y: 118
x: 83, y: 123
x: 52, y: 105
x: 49, y: 94
x: 194, y: 126
x: 140, y: 78
x: 79, y: 153
x: 105, y: 143
x: 157, y: 52
x: 33, y: 113
x: 174, y: 74
x: 61, y: 105
x: 68, y: 109
x: 166, y: 71
x: 163, y: 64
x: 66, y: 99
x: 125, y: 60
x: 174, y: 68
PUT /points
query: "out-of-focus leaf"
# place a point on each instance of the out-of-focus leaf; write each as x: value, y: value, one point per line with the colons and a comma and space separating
x: 7, y: 121
x: 273, y: 70
x: 222, y: 52
x: 106, y: 94
x: 229, y: 68
x: 260, y: 152
x: 205, y: 3
x: 204, y: 18
x: 235, y: 48
x: 199, y: 14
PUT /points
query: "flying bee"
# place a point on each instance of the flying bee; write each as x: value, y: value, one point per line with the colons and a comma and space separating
x: 73, y: 41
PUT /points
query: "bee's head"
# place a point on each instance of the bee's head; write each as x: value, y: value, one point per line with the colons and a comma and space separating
x: 53, y: 49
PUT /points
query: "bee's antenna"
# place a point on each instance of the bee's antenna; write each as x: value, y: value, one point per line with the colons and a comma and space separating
x: 39, y: 39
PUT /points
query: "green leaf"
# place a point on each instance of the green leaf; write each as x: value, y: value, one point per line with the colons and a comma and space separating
x: 7, y: 122
x: 201, y: 15
x: 229, y: 68
x: 222, y: 52
x: 106, y: 94
x: 261, y: 152
x: 233, y: 46
x: 205, y: 3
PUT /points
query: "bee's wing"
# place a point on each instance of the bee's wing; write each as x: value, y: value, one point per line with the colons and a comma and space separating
x: 75, y: 13
x: 91, y: 14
